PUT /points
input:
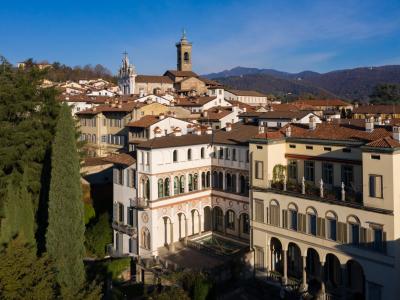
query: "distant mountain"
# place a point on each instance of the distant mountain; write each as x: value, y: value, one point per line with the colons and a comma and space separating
x: 351, y: 84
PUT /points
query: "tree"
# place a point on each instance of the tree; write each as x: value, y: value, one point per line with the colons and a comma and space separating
x: 386, y: 94
x: 65, y: 232
x: 23, y: 275
x: 98, y: 235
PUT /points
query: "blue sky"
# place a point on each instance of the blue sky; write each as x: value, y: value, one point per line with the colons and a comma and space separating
x: 295, y: 35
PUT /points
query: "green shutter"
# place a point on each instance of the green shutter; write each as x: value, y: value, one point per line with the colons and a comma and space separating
x: 284, y: 218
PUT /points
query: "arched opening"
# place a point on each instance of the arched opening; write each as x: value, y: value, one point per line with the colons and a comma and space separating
x: 292, y: 216
x: 166, y: 187
x: 168, y: 231
x: 294, y: 261
x: 234, y: 187
x: 244, y: 224
x: 230, y: 220
x: 176, y: 185
x: 228, y: 182
x: 274, y: 213
x: 145, y: 188
x: 182, y: 184
x: 355, y: 281
x: 190, y: 184
x: 220, y: 180
x: 196, y: 222
x: 354, y: 230
x: 160, y: 188
x: 208, y: 179
x: 242, y: 184
x: 218, y: 219
x: 202, y: 152
x: 332, y: 271
x: 276, y: 257
x: 195, y: 182
x: 207, y: 218
x: 182, y: 226
x: 186, y: 57
x: 311, y: 221
x: 215, y: 180
x: 203, y: 179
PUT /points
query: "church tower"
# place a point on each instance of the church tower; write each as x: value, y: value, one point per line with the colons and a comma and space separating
x: 126, y: 76
x: 184, y: 54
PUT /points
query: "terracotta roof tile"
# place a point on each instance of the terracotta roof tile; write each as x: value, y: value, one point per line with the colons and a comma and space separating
x: 377, y: 109
x: 121, y: 159
x: 247, y: 93
x: 322, y: 102
x: 153, y: 79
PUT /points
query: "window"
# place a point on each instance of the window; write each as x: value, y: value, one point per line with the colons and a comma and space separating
x: 332, y: 229
x: 130, y: 216
x: 202, y: 152
x: 274, y: 213
x: 176, y: 185
x: 234, y: 154
x: 377, y: 157
x: 259, y: 258
x: 182, y: 184
x: 327, y: 149
x: 293, y: 219
x: 375, y: 186
x: 259, y: 168
x: 292, y: 146
x: 327, y: 173
x: 221, y: 153
x: 175, y: 155
x: 189, y: 154
x: 309, y: 170
x: 309, y: 147
x: 259, y: 211
x: 378, y: 239
x: 247, y: 156
x: 354, y: 233
x: 312, y: 223
x: 166, y: 187
x: 120, y: 212
x: 292, y: 169
x: 259, y: 147
x: 131, y: 178
x: 160, y: 188
x: 230, y: 220
x: 227, y: 154
x: 347, y: 175
x: 246, y: 223
x: 118, y: 176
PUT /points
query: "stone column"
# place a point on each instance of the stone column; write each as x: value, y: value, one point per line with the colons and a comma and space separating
x: 200, y: 180
x: 284, y: 257
x: 186, y: 229
x: 224, y: 180
x: 223, y: 222
x: 171, y: 185
x: 186, y: 183
x: 171, y: 245
x: 304, y: 277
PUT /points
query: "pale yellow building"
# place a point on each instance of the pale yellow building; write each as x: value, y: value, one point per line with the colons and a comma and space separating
x: 325, y: 208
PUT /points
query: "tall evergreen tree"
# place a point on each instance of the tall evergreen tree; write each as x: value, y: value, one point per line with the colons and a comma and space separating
x: 65, y: 231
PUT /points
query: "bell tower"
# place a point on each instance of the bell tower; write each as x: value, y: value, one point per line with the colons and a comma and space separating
x: 184, y: 54
x: 127, y: 76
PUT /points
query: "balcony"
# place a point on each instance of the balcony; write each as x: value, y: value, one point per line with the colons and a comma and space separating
x: 125, y: 228
x: 141, y: 203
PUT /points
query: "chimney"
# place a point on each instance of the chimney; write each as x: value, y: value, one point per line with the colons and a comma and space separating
x: 244, y: 109
x: 312, y: 124
x: 205, y: 114
x: 369, y: 124
x: 261, y: 128
x: 228, y: 127
x: 387, y: 121
x: 161, y: 116
x: 177, y: 131
x: 119, y: 105
x: 157, y: 132
x: 396, y: 132
x: 288, y: 131
x: 209, y: 130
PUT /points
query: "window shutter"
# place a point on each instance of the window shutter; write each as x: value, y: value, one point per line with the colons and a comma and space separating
x: 300, y: 222
x: 363, y: 236
x: 304, y: 225
x: 115, y: 175
x: 128, y: 177
x: 267, y: 216
x: 122, y: 176
x: 284, y: 218
x: 321, y: 227
x: 128, y: 216
x: 342, y: 232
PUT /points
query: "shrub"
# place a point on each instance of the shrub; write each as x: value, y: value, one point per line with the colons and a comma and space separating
x: 98, y: 236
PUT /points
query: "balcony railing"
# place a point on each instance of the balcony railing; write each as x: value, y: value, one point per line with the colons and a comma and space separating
x: 323, y: 192
x: 125, y: 228
x: 139, y: 202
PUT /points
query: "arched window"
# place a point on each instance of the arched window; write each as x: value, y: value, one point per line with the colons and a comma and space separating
x: 175, y: 156
x: 202, y: 152
x: 160, y: 188
x: 220, y: 180
x: 147, y: 194
x: 234, y: 190
x: 195, y: 182
x: 274, y: 214
x: 311, y: 221
x: 208, y: 179
x: 189, y: 154
x: 215, y: 179
x: 186, y: 57
x: 218, y: 218
x: 245, y: 223
x: 190, y: 182
x: 354, y: 230
x: 166, y: 187
x: 203, y: 180
x: 182, y: 184
x: 331, y: 225
x: 230, y: 219
x: 176, y: 185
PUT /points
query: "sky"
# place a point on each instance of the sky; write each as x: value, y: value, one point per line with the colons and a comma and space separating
x: 296, y: 35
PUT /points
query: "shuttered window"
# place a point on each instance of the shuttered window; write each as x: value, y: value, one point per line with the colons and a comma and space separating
x: 332, y: 229
x: 259, y: 210
x: 342, y: 232
x: 293, y: 219
x: 284, y: 218
x: 259, y: 168
x: 375, y: 186
x: 309, y: 174
x: 259, y: 258
x: 321, y: 227
x: 312, y: 224
x: 274, y: 215
x: 292, y: 169
x: 354, y: 233
x: 301, y: 226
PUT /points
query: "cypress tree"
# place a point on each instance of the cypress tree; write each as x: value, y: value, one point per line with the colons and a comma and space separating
x: 65, y: 231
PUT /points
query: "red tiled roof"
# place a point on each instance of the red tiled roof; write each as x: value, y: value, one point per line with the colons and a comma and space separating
x: 121, y: 107
x: 145, y: 121
x: 377, y: 109
x: 193, y: 101
x: 386, y: 142
x: 153, y: 79
x: 247, y: 93
x: 121, y: 159
x: 322, y: 102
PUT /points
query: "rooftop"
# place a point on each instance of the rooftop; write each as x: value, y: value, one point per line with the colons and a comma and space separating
x: 247, y: 93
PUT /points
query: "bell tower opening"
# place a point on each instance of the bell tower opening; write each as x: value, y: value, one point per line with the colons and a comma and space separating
x: 184, y: 54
